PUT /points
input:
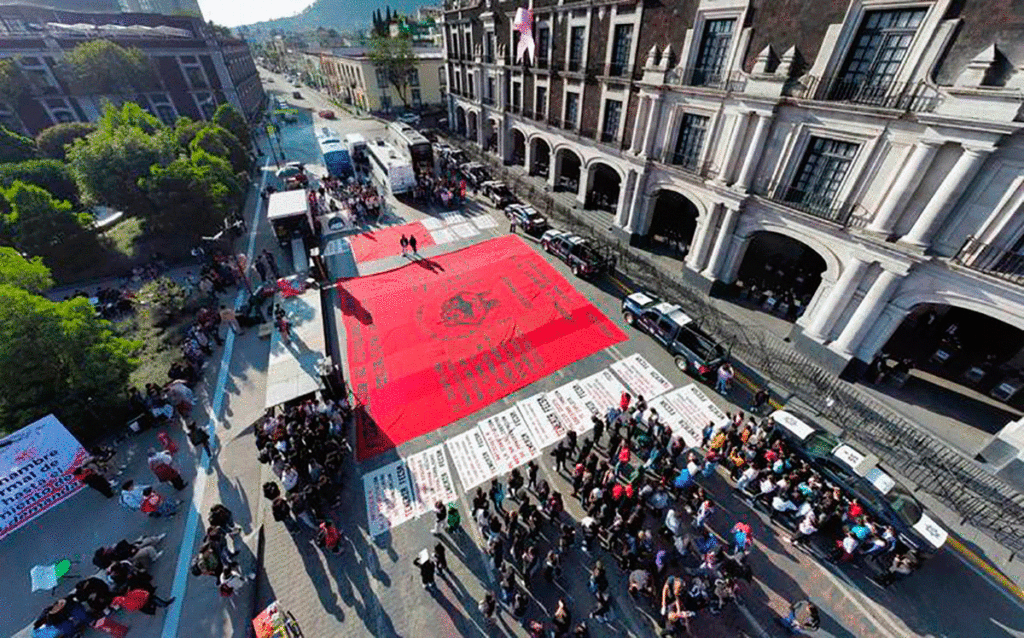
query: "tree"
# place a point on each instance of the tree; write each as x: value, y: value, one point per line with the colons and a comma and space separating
x: 218, y: 141
x: 28, y: 274
x: 109, y: 163
x: 12, y: 82
x: 101, y: 67
x: 193, y: 195
x: 229, y: 117
x: 14, y: 147
x: 53, y: 141
x: 61, y: 358
x: 38, y: 223
x: 185, y: 130
x: 395, y: 58
x: 51, y: 175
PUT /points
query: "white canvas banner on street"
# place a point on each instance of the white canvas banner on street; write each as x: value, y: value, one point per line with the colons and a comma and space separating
x: 432, y: 478
x: 540, y: 420
x: 504, y: 433
x: 473, y: 461
x: 688, y: 410
x: 605, y: 389
x: 641, y: 377
x: 572, y: 409
x: 36, y: 463
x: 390, y: 497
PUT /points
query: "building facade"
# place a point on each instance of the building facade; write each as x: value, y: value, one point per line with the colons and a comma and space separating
x: 352, y: 78
x: 862, y: 156
x: 194, y: 69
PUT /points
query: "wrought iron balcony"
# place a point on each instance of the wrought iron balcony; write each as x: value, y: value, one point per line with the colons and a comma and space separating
x: 488, y: 101
x: 991, y: 260
x: 915, y: 97
x: 820, y: 205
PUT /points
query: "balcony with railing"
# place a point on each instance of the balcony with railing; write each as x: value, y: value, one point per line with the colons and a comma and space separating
x: 703, y: 77
x: 820, y: 205
x: 687, y: 164
x: 914, y: 97
x: 488, y: 101
x: 1002, y: 263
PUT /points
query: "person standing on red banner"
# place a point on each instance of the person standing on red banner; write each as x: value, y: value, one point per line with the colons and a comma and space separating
x: 412, y: 244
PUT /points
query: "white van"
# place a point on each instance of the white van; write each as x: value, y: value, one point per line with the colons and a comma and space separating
x: 356, y: 146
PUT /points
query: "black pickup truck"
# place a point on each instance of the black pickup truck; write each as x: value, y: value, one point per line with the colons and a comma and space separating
x: 695, y: 352
x: 586, y: 258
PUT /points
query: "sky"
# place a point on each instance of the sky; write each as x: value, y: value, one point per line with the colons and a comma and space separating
x: 231, y: 13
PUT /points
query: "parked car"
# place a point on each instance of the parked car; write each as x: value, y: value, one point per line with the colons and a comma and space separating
x: 498, y: 193
x: 409, y: 118
x: 327, y: 114
x: 860, y: 476
x: 695, y: 352
x: 527, y: 218
x: 584, y: 256
x: 475, y: 173
x: 297, y: 95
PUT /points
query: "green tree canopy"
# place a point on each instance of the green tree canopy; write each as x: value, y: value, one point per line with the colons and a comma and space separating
x: 49, y: 174
x: 59, y: 358
x: 14, y: 147
x: 102, y: 67
x: 217, y: 140
x: 52, y: 141
x: 229, y: 117
x: 185, y: 130
x: 38, y: 223
x: 12, y: 81
x: 395, y: 57
x: 192, y: 195
x: 27, y: 274
x: 109, y: 163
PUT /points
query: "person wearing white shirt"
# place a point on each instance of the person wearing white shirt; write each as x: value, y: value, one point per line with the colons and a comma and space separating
x: 289, y: 478
x: 746, y: 478
x: 672, y: 522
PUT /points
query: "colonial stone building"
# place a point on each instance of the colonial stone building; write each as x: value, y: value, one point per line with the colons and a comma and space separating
x: 860, y: 161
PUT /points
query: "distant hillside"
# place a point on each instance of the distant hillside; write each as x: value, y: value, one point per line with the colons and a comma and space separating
x: 343, y: 15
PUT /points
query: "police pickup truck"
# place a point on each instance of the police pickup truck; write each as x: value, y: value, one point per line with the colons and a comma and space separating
x: 695, y: 352
x: 584, y: 257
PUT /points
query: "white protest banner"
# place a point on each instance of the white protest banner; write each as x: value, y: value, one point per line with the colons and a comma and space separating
x: 571, y: 409
x: 641, y: 377
x: 36, y: 463
x: 390, y: 497
x: 540, y: 419
x: 692, y: 411
x: 605, y: 389
x: 507, y: 448
x: 432, y: 478
x: 473, y: 460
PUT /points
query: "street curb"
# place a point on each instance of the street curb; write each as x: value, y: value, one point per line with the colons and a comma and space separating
x: 261, y: 542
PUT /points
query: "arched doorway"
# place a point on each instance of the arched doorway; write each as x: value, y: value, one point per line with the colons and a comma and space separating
x: 567, y: 170
x: 491, y: 136
x: 604, y: 188
x: 471, y: 125
x: 518, y: 147
x: 779, y: 274
x: 460, y: 120
x: 673, y: 224
x: 540, y: 157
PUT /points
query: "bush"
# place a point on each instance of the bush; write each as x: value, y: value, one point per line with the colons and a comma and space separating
x: 49, y: 174
x: 161, y: 300
x: 53, y: 141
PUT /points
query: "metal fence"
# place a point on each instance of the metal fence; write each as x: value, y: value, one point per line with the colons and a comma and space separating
x: 981, y: 499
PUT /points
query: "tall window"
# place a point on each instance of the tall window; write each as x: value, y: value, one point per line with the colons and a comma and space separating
x: 690, y: 141
x: 541, y: 105
x: 417, y: 98
x: 469, y: 85
x: 821, y: 175
x: 714, y: 45
x: 382, y: 78
x: 517, y: 96
x: 490, y: 90
x: 576, y: 43
x: 572, y: 109
x: 455, y: 47
x: 489, y: 47
x: 620, y: 49
x: 878, y: 51
x: 612, y: 117
x: 414, y: 77
x: 196, y: 76
x: 467, y: 52
x: 543, y: 47
x: 385, y: 103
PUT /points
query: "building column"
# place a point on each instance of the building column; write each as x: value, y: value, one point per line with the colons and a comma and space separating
x: 733, y: 149
x: 527, y: 156
x: 722, y: 241
x: 626, y: 200
x: 826, y: 315
x: 639, y: 126
x: 480, y: 129
x: 906, y: 183
x: 946, y: 195
x: 888, y: 321
x: 754, y: 152
x: 503, y: 144
x: 639, y: 212
x: 651, y: 132
x: 867, y: 312
x: 700, y: 244
x: 670, y: 127
x: 581, y: 194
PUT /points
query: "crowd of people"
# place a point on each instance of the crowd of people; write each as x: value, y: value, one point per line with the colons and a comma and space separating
x: 306, y: 446
x: 360, y: 197
x: 446, y: 192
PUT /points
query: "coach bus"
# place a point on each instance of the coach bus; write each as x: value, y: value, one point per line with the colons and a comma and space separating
x: 336, y: 157
x: 392, y: 171
x: 413, y: 146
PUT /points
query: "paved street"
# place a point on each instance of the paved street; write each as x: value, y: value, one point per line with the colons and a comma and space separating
x: 374, y: 590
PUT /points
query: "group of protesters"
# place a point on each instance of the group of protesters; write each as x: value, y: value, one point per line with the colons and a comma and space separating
x: 306, y: 445
x: 444, y: 192
x: 360, y: 197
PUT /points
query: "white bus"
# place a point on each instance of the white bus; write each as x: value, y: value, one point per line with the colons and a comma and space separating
x: 413, y: 146
x: 392, y: 171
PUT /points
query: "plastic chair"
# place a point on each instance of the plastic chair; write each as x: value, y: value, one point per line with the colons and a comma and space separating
x: 108, y: 626
x: 48, y: 576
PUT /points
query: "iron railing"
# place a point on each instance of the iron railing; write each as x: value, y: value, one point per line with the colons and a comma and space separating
x: 915, y: 97
x: 991, y: 260
x: 818, y: 205
x: 488, y: 101
x: 733, y: 81
x: 983, y: 500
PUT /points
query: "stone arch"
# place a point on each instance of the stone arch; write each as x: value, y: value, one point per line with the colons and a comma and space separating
x: 460, y: 120
x: 832, y: 262
x: 472, y: 122
x: 568, y: 166
x: 540, y: 156
x: 491, y: 135
x: 605, y: 182
x: 672, y: 222
x: 1008, y: 315
x: 518, y: 154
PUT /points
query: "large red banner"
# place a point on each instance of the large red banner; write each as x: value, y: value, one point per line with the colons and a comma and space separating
x: 436, y: 340
x: 387, y: 242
